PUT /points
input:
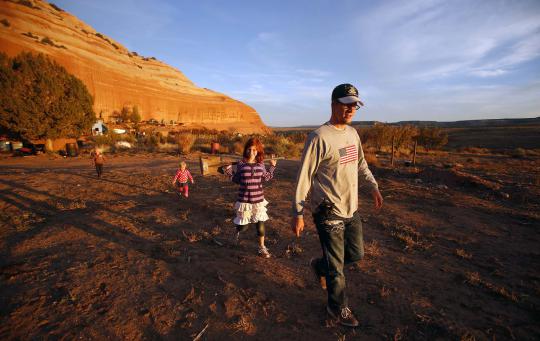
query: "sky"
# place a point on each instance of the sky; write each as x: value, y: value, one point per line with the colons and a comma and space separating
x: 410, y: 59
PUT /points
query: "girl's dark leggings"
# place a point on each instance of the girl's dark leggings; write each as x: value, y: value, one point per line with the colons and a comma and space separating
x: 259, y: 227
x: 99, y: 169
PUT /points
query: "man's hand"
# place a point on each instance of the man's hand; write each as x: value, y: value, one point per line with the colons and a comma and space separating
x: 377, y: 199
x: 297, y: 225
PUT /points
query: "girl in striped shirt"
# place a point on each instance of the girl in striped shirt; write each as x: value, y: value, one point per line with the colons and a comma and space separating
x: 181, y: 178
x: 250, y: 206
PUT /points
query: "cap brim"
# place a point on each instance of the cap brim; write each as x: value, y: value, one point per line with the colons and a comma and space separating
x: 350, y: 99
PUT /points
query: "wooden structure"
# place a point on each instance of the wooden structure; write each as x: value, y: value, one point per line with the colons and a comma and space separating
x: 210, y: 164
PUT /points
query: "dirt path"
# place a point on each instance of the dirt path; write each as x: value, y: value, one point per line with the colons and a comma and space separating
x: 453, y: 255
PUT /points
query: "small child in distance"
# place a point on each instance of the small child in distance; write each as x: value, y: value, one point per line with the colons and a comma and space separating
x: 181, y: 179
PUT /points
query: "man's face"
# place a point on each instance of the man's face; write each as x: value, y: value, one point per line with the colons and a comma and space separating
x: 343, y: 113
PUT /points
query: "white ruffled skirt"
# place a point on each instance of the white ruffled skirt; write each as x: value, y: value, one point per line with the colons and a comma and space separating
x: 250, y: 213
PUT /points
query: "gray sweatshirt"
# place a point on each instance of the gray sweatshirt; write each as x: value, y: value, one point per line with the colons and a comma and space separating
x: 330, y: 163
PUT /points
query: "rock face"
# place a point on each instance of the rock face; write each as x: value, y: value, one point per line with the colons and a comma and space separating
x: 115, y: 76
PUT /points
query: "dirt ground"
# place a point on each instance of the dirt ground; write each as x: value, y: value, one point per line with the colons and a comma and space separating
x: 453, y: 254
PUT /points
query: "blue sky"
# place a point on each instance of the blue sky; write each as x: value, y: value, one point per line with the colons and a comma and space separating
x: 411, y: 60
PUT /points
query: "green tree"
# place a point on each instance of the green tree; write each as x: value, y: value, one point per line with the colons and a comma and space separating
x: 432, y: 137
x: 125, y: 114
x: 135, y: 115
x: 403, y: 135
x: 40, y: 99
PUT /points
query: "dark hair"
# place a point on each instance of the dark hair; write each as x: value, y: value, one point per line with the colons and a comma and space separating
x: 258, y: 145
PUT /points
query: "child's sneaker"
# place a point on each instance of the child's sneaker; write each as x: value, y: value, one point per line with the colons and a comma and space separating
x: 263, y: 252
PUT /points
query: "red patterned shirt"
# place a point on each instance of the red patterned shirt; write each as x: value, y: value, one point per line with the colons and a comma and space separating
x: 182, y: 176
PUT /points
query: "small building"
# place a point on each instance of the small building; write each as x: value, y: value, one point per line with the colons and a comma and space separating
x: 99, y: 128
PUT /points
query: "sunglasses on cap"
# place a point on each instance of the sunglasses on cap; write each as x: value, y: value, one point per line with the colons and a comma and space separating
x: 355, y: 105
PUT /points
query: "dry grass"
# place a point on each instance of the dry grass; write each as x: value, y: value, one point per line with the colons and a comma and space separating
x: 463, y: 254
x: 372, y: 249
x: 474, y: 279
x: 467, y: 337
x: 371, y: 159
x: 192, y: 237
x: 409, y: 238
x: 475, y: 150
x: 384, y: 292
x: 293, y: 249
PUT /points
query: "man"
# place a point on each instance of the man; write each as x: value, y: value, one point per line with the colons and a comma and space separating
x: 330, y: 163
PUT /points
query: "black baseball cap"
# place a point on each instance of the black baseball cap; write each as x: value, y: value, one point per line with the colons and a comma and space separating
x: 346, y: 94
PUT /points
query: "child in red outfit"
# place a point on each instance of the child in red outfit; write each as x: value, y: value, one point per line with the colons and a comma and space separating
x: 181, y: 178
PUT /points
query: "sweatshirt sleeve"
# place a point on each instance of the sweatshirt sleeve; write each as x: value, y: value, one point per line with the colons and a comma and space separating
x: 364, y: 169
x: 311, y: 158
x: 190, y: 177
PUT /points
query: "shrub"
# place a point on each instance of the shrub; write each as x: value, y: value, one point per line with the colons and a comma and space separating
x: 129, y: 138
x: 29, y: 34
x: 40, y: 99
x: 519, y: 153
x: 125, y: 114
x: 403, y: 135
x: 152, y: 140
x: 185, y: 142
x: 56, y: 7
x: 162, y: 138
x: 47, y: 41
x: 282, y: 146
x: 238, y: 147
x: 5, y: 22
x: 171, y: 138
x: 474, y: 150
x: 371, y: 159
x: 135, y: 115
x: 26, y: 3
x: 106, y: 140
x: 432, y: 138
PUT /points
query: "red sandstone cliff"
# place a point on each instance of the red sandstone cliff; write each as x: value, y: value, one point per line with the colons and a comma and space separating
x: 115, y: 76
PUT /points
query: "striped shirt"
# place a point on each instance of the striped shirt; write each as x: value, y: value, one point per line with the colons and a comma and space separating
x: 182, y: 176
x: 250, y: 177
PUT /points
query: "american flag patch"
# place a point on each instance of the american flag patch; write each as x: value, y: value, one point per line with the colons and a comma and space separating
x: 348, y: 154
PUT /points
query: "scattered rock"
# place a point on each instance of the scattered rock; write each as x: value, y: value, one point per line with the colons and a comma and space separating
x: 504, y: 195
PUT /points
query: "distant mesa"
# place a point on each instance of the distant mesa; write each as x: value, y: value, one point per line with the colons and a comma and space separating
x: 117, y: 77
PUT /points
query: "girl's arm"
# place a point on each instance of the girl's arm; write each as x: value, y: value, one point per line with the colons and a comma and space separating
x: 235, y: 176
x: 176, y: 177
x: 268, y: 175
x: 189, y: 176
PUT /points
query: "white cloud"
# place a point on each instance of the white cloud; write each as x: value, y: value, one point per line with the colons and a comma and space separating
x: 489, y: 73
x: 314, y: 72
x: 434, y: 39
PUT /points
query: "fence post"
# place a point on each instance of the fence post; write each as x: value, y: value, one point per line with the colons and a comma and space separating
x: 392, y: 158
x: 414, y: 153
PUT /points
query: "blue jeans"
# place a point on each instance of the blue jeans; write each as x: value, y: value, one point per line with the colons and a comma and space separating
x: 342, y: 243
